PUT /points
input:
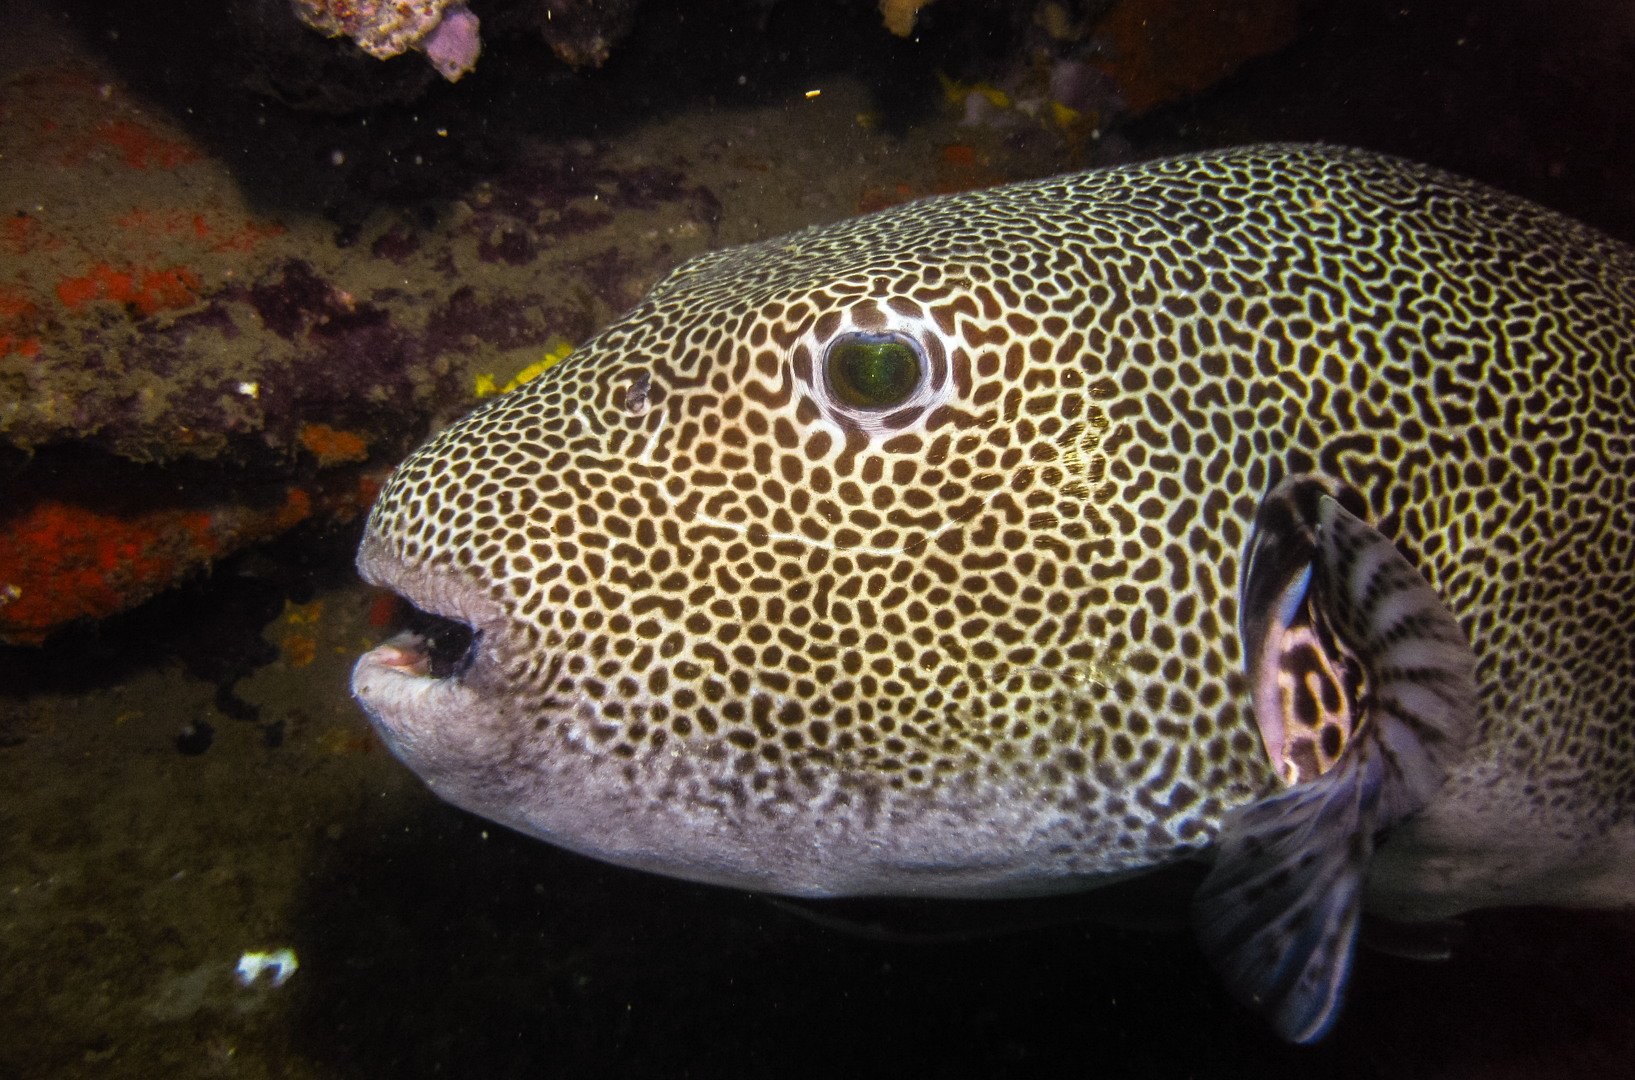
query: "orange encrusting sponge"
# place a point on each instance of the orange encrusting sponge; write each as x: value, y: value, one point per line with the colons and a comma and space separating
x: 61, y: 561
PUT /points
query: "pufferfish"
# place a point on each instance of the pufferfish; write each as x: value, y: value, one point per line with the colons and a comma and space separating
x: 1269, y: 507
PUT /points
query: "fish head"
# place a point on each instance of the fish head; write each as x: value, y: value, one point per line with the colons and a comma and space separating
x: 821, y: 572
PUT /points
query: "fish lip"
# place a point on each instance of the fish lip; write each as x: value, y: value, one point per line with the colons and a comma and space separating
x: 451, y: 597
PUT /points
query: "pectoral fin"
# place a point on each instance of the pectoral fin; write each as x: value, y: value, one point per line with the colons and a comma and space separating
x: 1364, y: 691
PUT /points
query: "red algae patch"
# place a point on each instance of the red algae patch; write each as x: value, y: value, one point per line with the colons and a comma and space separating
x: 19, y: 323
x: 332, y: 446
x: 211, y: 232
x: 23, y: 235
x: 147, y: 290
x: 141, y: 147
x: 63, y: 561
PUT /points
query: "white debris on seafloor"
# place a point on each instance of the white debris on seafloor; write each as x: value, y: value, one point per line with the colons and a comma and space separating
x: 279, y: 963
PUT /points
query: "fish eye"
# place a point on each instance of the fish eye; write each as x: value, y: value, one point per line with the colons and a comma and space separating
x: 872, y: 371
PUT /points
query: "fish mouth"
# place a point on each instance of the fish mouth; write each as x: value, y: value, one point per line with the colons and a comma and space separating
x: 446, y: 622
x: 429, y: 646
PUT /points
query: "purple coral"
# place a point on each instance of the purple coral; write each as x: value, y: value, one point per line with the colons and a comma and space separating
x: 453, y: 44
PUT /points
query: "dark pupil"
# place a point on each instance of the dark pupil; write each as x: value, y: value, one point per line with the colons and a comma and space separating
x: 873, y: 374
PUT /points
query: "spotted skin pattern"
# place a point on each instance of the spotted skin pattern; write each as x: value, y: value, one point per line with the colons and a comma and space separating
x: 985, y: 641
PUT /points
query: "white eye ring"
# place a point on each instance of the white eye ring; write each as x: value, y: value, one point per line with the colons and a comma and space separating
x: 897, y: 365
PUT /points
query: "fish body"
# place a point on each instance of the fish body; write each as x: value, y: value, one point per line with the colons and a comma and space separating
x: 1269, y: 506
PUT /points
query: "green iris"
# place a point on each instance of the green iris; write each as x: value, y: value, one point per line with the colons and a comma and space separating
x: 872, y: 373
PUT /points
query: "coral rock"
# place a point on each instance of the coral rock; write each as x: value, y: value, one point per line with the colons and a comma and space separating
x: 445, y: 29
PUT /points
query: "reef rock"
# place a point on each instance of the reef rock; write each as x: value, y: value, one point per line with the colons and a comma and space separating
x: 445, y: 30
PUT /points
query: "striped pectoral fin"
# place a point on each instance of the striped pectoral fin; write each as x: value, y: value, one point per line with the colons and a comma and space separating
x: 1364, y: 691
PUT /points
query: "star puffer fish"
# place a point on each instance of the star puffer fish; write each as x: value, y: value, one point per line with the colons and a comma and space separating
x: 1269, y: 507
